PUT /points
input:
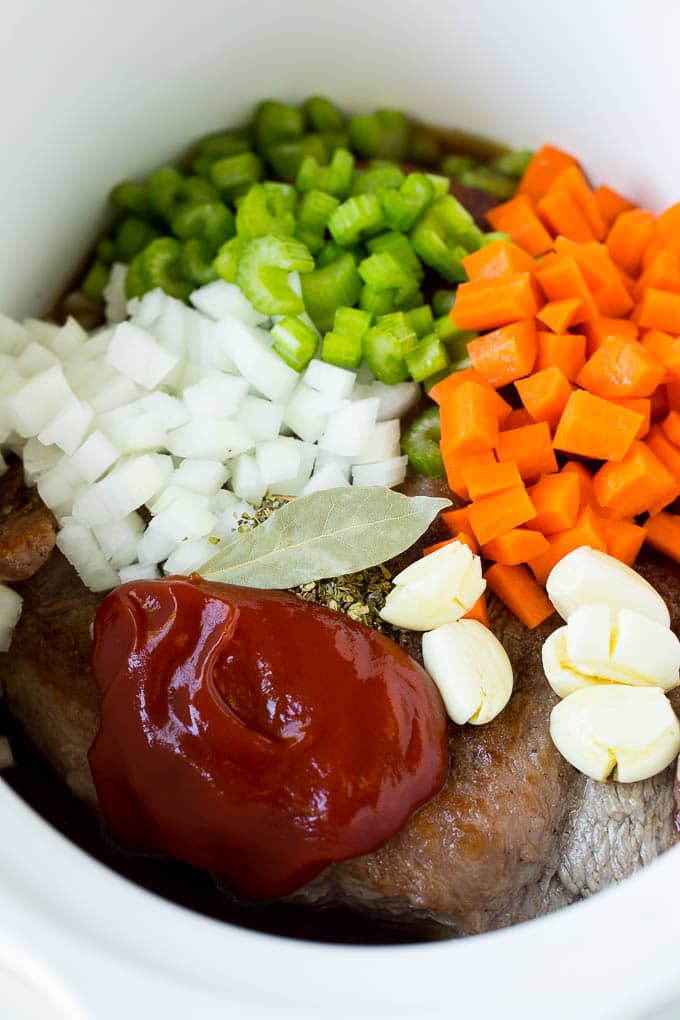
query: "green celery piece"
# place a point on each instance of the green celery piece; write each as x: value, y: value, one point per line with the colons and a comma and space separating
x: 267, y: 208
x: 420, y: 443
x: 385, y: 346
x: 383, y: 272
x: 330, y: 287
x: 132, y: 234
x: 135, y: 280
x: 107, y: 250
x: 443, y: 237
x: 425, y: 148
x: 386, y: 133
x: 376, y: 179
x: 295, y: 342
x: 342, y: 350
x: 233, y: 175
x: 225, y: 262
x: 377, y: 302
x: 351, y: 321
x: 163, y: 188
x: 220, y: 144
x: 354, y: 217
x: 276, y: 122
x: 429, y: 357
x: 315, y: 209
x: 420, y: 320
x: 131, y: 197
x: 440, y: 184
x: 454, y: 165
x: 443, y: 301
x: 195, y: 189
x: 330, y: 252
x: 161, y: 266
x: 212, y: 221
x: 196, y: 261
x: 454, y: 339
x: 95, y: 281
x: 414, y: 300
x: 398, y: 245
x: 404, y: 207
x: 322, y: 114
x: 512, y: 163
x: 496, y: 184
x: 262, y: 273
x: 286, y: 158
x: 336, y: 178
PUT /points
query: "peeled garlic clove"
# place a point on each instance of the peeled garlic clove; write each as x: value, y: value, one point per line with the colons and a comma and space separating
x: 562, y: 678
x: 588, y: 635
x: 644, y: 649
x: 435, y: 590
x: 10, y: 611
x: 630, y: 731
x: 586, y: 576
x: 471, y: 669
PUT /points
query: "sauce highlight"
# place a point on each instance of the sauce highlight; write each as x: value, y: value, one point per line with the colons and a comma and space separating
x: 255, y: 735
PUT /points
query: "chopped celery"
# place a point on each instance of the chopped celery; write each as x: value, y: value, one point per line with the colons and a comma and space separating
x: 454, y: 339
x: 377, y: 302
x: 425, y: 148
x: 443, y: 301
x: 420, y: 320
x: 262, y: 273
x: 342, y: 350
x: 277, y: 122
x: 193, y: 190
x: 513, y: 163
x: 385, y: 346
x: 420, y: 443
x: 295, y: 342
x: 135, y: 281
x: 399, y: 246
x: 95, y: 280
x: 330, y: 252
x: 428, y: 357
x: 402, y: 208
x: 351, y: 321
x: 336, y: 178
x: 330, y: 287
x: 454, y: 165
x: 489, y: 180
x: 285, y: 158
x: 267, y: 208
x: 107, y: 250
x: 440, y: 184
x: 355, y: 216
x: 158, y: 265
x: 384, y: 133
x: 233, y: 175
x: 322, y: 114
x: 315, y: 208
x: 376, y: 178
x: 163, y: 187
x: 211, y: 221
x: 382, y: 271
x: 132, y: 234
x: 131, y: 197
x: 225, y: 262
x: 217, y: 146
x: 443, y: 237
x: 196, y: 261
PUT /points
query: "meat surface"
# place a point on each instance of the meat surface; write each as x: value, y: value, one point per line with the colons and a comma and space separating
x: 27, y: 528
x: 515, y: 831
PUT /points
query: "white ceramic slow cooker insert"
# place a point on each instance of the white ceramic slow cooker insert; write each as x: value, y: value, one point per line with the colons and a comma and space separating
x: 92, y: 93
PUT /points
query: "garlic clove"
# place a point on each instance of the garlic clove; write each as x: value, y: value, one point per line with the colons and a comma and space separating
x: 471, y: 669
x: 562, y: 678
x: 631, y: 732
x: 587, y: 576
x: 646, y: 649
x: 588, y: 635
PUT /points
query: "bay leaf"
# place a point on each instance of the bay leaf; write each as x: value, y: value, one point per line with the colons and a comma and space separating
x: 325, y: 534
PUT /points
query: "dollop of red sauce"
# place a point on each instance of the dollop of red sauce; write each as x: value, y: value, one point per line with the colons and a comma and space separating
x: 254, y: 734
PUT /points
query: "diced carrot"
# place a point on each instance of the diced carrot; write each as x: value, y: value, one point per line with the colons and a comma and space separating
x: 621, y: 368
x: 516, y: 546
x: 663, y: 273
x: 531, y: 449
x: 557, y: 499
x: 457, y: 522
x: 517, y: 589
x: 611, y: 204
x: 593, y: 427
x: 443, y: 390
x: 659, y: 309
x: 454, y: 464
x: 560, y: 278
x: 668, y: 224
x: 663, y: 534
x: 566, y: 351
x: 604, y: 328
x: 630, y: 234
x: 586, y: 531
x: 484, y: 479
x: 666, y: 348
x: 545, y: 394
x: 497, y: 260
x: 462, y: 537
x: 666, y: 451
x: 602, y: 277
x: 585, y: 482
x: 498, y: 513
x: 518, y: 219
x: 672, y: 397
x: 639, y: 483
x: 562, y: 215
x: 659, y: 405
x: 518, y: 419
x: 542, y: 170
x: 572, y: 181
x: 506, y: 354
x: 559, y: 316
x: 492, y: 303
x: 671, y: 426
x: 624, y: 539
x: 479, y: 611
x: 469, y: 421
x: 641, y: 405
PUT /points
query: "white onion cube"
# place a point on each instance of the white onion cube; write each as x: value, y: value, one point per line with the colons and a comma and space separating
x: 170, y: 411
x: 306, y: 413
x: 139, y: 572
x: 217, y: 396
x: 95, y: 457
x: 246, y: 478
x: 220, y: 299
x: 212, y: 439
x: 37, y: 459
x: 13, y: 336
x: 328, y: 477
x: 330, y: 380
x: 154, y: 547
x: 278, y: 460
x: 139, y: 433
x: 203, y: 476
x: 248, y: 347
x: 38, y: 400
x: 262, y: 418
x: 348, y: 429
x: 115, y: 301
x: 186, y: 517
x: 35, y: 358
x: 118, y: 539
x: 69, y: 426
x: 69, y: 340
x: 383, y: 442
x: 138, y: 355
x: 387, y: 473
x: 81, y: 549
x: 189, y: 556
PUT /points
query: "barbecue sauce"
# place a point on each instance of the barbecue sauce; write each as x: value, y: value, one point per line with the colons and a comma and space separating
x: 256, y: 735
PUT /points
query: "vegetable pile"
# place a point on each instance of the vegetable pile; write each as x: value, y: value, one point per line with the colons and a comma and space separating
x: 565, y: 429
